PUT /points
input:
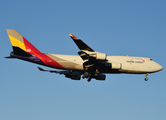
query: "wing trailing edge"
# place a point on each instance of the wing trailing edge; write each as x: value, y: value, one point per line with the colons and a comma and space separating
x: 81, y: 45
x: 74, y: 75
x: 87, y: 53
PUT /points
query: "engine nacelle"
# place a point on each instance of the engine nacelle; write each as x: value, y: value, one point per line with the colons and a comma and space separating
x: 74, y: 77
x: 99, y: 56
x: 115, y: 65
x: 100, y: 77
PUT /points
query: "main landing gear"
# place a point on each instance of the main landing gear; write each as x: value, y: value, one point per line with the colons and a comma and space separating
x: 89, y: 79
x: 146, y: 79
x: 89, y: 76
x: 90, y: 70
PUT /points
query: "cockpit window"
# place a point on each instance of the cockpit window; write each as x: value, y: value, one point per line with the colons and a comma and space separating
x: 151, y: 59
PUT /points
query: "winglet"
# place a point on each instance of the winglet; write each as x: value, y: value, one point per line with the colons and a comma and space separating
x: 73, y: 37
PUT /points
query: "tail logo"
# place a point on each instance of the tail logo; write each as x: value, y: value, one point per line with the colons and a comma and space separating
x: 28, y: 50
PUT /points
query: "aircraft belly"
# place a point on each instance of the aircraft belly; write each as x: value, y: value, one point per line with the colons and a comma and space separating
x: 136, y: 69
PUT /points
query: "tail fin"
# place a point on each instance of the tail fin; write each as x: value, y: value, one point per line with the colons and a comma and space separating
x: 21, y: 46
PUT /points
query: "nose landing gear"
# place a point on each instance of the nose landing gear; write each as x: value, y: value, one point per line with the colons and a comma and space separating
x: 146, y: 79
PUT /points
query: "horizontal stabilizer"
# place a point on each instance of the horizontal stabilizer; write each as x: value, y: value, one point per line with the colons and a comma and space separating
x: 9, y: 57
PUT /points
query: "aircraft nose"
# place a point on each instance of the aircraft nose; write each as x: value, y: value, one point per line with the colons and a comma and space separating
x: 158, y: 67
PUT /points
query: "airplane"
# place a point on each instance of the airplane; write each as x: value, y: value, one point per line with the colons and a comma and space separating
x: 89, y: 63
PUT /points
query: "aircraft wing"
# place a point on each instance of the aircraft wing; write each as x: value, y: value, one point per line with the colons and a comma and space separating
x: 81, y: 45
x: 87, y: 53
x: 94, y: 61
x: 75, y: 75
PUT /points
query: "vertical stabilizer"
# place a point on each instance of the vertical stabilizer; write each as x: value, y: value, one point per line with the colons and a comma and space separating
x: 20, y: 45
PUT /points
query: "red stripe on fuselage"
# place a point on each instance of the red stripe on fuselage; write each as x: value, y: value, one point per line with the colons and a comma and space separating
x: 47, y: 60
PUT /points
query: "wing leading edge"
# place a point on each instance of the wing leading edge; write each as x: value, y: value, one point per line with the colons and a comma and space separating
x: 93, y: 61
x: 87, y: 53
x: 81, y: 45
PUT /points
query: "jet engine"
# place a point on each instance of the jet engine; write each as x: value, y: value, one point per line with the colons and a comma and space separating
x: 115, y: 65
x: 100, y: 76
x: 98, y: 56
x: 95, y: 55
x: 74, y: 77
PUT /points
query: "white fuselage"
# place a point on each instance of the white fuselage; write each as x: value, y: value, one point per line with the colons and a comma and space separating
x: 122, y: 64
x: 136, y: 64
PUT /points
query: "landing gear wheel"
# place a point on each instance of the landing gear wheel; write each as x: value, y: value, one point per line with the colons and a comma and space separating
x: 86, y: 75
x: 83, y: 77
x: 146, y: 79
x: 89, y: 79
